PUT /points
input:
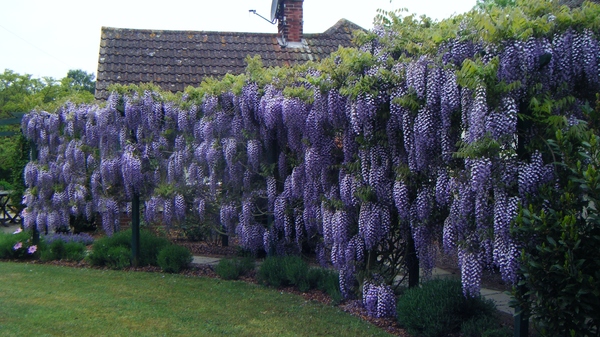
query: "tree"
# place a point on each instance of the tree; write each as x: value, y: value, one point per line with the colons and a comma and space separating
x: 17, y: 92
x: 22, y: 93
x: 81, y: 80
x: 487, y: 4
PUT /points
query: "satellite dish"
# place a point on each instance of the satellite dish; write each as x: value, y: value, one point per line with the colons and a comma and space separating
x: 274, y: 8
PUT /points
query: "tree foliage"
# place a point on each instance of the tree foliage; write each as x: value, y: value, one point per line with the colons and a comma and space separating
x: 80, y: 80
x: 561, y: 234
x: 22, y: 93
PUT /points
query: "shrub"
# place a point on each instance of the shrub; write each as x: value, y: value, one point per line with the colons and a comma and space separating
x: 232, y: 269
x: 327, y: 281
x: 83, y: 238
x: 271, y: 272
x: 150, y: 246
x: 195, y: 230
x: 484, y: 326
x: 439, y: 307
x: 118, y: 257
x: 82, y: 224
x: 17, y: 245
x: 100, y: 250
x: 174, y: 258
x: 278, y: 271
x: 296, y: 272
x: 60, y: 250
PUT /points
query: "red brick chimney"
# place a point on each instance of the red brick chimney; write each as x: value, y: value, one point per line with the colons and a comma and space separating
x: 290, y: 20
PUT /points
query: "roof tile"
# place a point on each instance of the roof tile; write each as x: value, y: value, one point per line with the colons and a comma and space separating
x: 177, y: 59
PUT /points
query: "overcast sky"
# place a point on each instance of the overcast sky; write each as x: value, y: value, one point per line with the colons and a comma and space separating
x: 49, y: 37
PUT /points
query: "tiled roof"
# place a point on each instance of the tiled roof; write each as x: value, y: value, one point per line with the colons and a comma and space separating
x: 176, y: 59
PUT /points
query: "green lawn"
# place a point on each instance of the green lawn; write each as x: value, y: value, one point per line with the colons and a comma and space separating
x: 44, y: 300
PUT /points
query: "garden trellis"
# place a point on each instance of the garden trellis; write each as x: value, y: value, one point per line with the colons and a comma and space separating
x: 354, y: 159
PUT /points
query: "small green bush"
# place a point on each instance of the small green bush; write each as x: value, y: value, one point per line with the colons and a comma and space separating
x: 6, y: 246
x: 439, y: 307
x: 296, y: 272
x: 278, y: 271
x: 483, y: 326
x: 329, y: 282
x: 174, y: 258
x: 17, y: 245
x: 271, y: 272
x: 99, y: 253
x: 100, y: 250
x: 118, y: 257
x: 232, y: 269
x: 150, y: 246
x: 60, y: 250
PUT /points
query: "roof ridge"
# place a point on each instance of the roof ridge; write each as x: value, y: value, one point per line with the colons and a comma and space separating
x: 176, y: 31
x: 341, y: 24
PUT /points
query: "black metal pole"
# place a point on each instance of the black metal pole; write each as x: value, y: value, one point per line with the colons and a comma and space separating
x: 521, y: 317
x: 135, y: 230
x: 412, y: 262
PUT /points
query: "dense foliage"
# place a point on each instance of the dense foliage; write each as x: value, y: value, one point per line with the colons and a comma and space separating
x: 285, y: 271
x: 438, y: 308
x: 17, y: 245
x: 429, y: 134
x: 233, y: 268
x: 115, y: 251
x: 22, y: 93
x: 174, y: 258
x: 561, y: 263
x: 61, y: 250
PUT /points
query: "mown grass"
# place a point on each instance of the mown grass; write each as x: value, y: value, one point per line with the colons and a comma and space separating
x: 45, y: 300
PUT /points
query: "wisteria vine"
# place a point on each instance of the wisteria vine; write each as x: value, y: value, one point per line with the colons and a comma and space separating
x: 339, y: 175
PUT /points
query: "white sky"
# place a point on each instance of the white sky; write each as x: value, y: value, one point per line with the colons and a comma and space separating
x: 50, y: 37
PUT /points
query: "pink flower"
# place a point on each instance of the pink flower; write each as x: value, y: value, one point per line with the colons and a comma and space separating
x: 17, y: 246
x: 32, y: 249
x: 19, y: 230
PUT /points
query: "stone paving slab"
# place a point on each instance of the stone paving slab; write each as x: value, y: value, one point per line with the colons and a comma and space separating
x: 9, y: 227
x: 500, y: 298
x: 206, y: 260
